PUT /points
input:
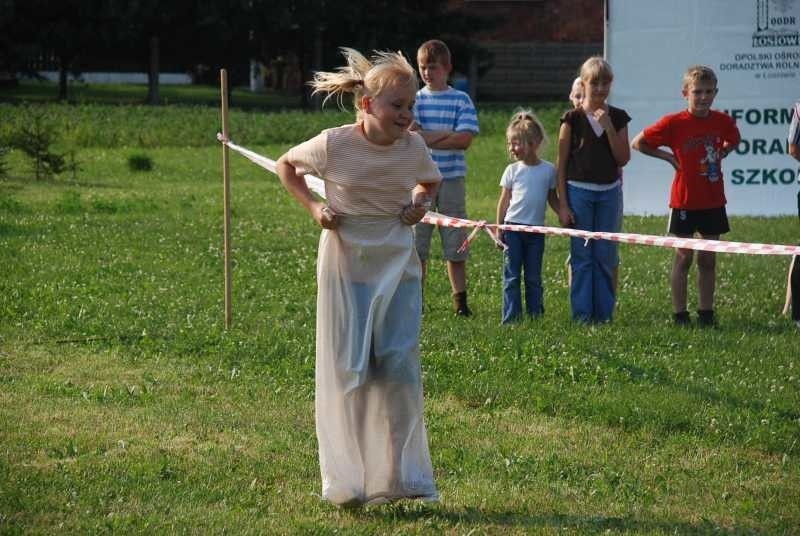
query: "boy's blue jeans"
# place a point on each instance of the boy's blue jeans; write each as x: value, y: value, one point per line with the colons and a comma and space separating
x: 592, y: 294
x: 525, y: 252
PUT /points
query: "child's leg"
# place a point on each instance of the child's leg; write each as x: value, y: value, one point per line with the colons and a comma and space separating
x: 400, y: 460
x: 532, y: 264
x: 606, y: 257
x: 581, y: 203
x: 706, y: 283
x: 620, y: 217
x: 679, y: 277
x: 794, y: 279
x: 457, y: 272
x: 452, y: 202
x: 423, y: 232
x: 615, y: 279
x: 794, y: 285
x: 787, y: 304
x: 569, y: 271
x: 706, y: 279
x: 512, y: 267
x: 422, y: 241
x: 711, y: 224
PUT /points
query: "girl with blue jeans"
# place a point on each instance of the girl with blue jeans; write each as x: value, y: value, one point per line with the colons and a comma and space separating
x: 527, y: 186
x: 592, y: 148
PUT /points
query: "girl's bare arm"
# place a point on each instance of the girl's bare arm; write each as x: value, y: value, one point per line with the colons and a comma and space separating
x: 295, y: 184
x: 565, y: 215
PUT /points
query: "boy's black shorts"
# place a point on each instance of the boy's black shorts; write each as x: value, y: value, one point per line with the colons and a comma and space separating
x: 712, y: 221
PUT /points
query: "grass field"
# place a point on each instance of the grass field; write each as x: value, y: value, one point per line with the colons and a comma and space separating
x: 126, y: 407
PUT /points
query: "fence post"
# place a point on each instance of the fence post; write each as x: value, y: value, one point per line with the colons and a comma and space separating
x: 226, y: 197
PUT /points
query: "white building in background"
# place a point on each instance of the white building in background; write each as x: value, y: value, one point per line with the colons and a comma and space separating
x: 120, y: 78
x: 754, y: 47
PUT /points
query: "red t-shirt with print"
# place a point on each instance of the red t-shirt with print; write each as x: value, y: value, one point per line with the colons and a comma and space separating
x: 697, y: 143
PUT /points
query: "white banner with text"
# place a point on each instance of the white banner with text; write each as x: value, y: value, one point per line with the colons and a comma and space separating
x: 754, y: 48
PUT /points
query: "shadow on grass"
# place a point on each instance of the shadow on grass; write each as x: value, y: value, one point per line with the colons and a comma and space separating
x: 647, y: 375
x: 127, y: 94
x: 12, y: 230
x: 584, y: 524
x: 21, y: 182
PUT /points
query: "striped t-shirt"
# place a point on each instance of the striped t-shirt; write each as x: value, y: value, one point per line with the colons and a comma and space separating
x: 449, y: 109
x: 362, y: 178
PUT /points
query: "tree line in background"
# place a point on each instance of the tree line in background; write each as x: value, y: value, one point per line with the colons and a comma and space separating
x: 201, y: 36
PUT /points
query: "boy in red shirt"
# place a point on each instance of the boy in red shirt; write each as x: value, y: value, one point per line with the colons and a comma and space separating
x: 699, y: 139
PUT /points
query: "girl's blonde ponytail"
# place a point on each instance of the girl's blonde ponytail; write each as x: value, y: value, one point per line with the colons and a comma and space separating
x: 361, y: 76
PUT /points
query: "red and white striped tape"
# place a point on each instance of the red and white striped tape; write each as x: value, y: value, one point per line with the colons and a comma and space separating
x: 316, y: 185
x: 628, y: 238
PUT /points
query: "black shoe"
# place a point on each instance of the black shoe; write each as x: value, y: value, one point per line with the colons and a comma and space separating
x: 705, y: 318
x: 460, y: 304
x: 682, y: 319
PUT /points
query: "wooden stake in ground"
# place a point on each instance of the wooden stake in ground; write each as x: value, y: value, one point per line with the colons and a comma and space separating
x: 226, y: 197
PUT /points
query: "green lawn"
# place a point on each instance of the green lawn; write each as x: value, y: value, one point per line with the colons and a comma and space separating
x: 126, y: 407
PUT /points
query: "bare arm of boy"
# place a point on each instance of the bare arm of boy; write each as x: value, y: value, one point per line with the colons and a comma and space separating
x: 431, y: 137
x: 794, y: 151
x: 295, y: 184
x: 794, y: 126
x: 565, y: 216
x: 447, y: 139
x: 643, y: 147
x: 731, y: 141
x: 727, y: 148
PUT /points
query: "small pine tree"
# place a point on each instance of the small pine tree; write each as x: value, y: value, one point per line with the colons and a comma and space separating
x: 35, y: 140
x: 69, y: 141
x: 72, y: 164
x: 3, y: 163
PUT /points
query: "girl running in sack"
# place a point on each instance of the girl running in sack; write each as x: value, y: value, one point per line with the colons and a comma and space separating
x: 527, y: 187
x: 373, y: 446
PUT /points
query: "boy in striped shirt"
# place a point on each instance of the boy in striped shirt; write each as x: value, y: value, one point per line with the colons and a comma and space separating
x: 447, y: 120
